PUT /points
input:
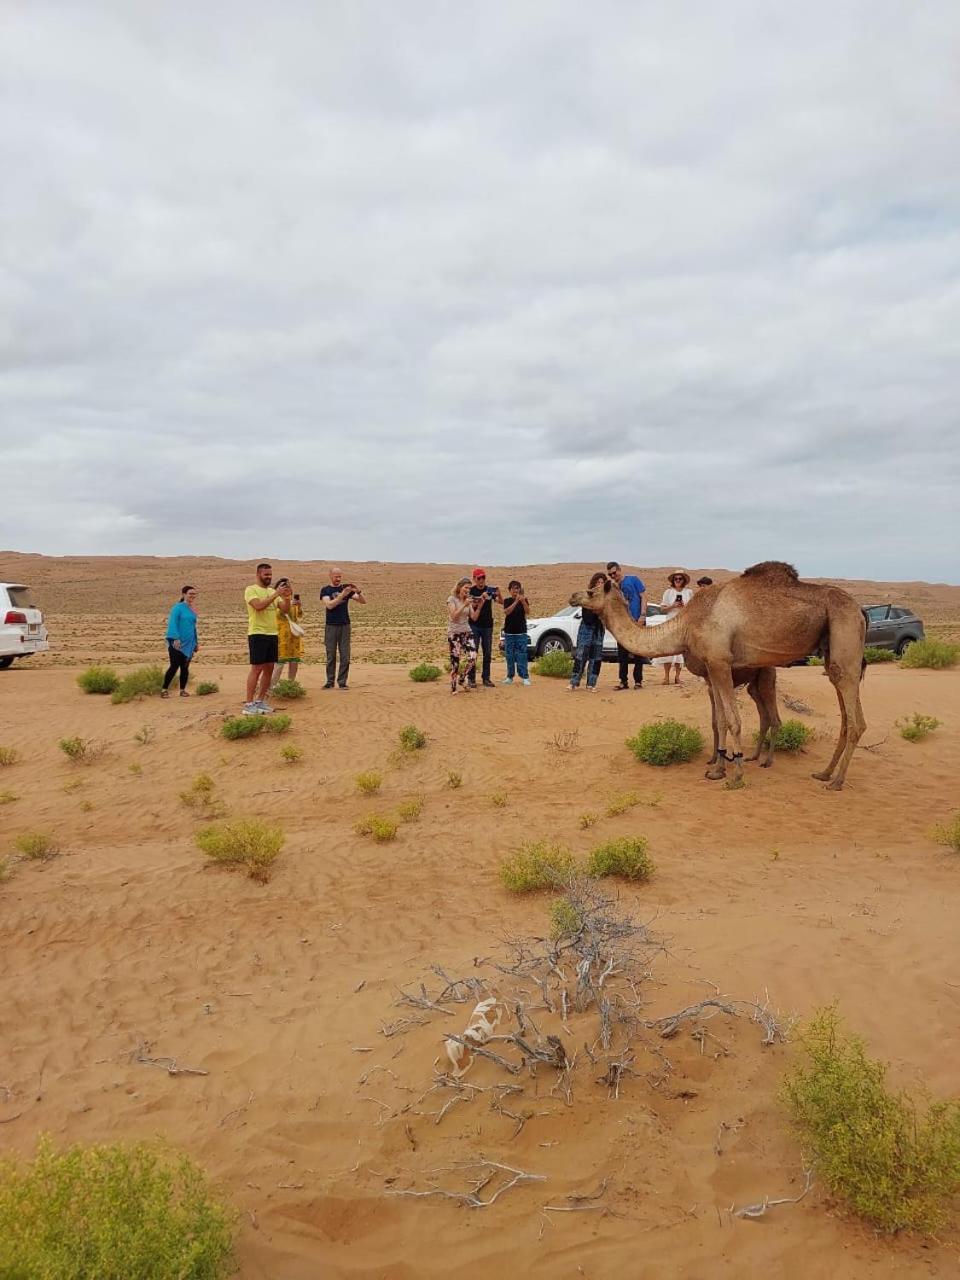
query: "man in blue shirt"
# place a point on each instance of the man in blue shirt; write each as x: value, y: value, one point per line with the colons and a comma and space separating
x: 632, y: 589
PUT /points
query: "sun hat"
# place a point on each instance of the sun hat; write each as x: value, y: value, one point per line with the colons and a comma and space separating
x: 679, y: 573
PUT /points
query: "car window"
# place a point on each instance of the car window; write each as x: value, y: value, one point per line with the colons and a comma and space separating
x: 878, y: 612
x: 20, y: 598
x: 899, y: 613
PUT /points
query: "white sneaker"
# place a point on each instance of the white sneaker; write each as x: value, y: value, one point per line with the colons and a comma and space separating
x: 508, y: 680
x: 263, y: 707
x: 251, y: 709
x: 525, y: 682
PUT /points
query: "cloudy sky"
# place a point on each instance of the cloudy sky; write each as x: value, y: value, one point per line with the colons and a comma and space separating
x: 520, y: 281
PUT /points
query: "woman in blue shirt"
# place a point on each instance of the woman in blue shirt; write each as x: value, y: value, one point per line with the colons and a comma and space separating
x: 181, y: 641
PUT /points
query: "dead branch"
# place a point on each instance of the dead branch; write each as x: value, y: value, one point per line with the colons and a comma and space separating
x: 759, y: 1209
x: 487, y: 1171
x: 567, y: 741
x: 401, y: 1026
x: 577, y: 1203
x: 670, y: 1025
x: 422, y: 1001
x: 142, y: 1055
x: 795, y: 704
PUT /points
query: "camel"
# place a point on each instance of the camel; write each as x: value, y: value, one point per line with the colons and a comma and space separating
x: 765, y: 618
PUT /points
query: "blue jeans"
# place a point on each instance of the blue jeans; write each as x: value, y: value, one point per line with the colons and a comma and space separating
x: 483, y: 638
x: 588, y: 654
x: 515, y: 652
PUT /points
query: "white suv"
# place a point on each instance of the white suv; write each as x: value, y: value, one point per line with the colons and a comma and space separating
x: 21, y: 624
x: 559, y: 633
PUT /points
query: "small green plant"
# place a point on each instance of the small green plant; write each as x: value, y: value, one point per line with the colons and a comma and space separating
x: 72, y: 785
x: 145, y: 735
x: 206, y: 687
x: 557, y: 664
x: 8, y: 797
x: 412, y: 738
x: 454, y: 780
x: 5, y: 869
x: 75, y: 749
x: 425, y: 673
x: 793, y: 735
x: 625, y: 857
x: 587, y: 820
x: 917, y: 727
x: 251, y: 842
x: 98, y: 680
x: 275, y: 724
x: 666, y: 742
x: 86, y: 806
x: 111, y: 1211
x: 815, y: 660
x: 735, y: 783
x: 200, y: 793
x: 377, y: 825
x: 872, y: 654
x: 621, y: 803
x: 410, y: 809
x: 287, y: 690
x: 948, y: 833
x: 894, y: 1160
x: 369, y: 782
x: 8, y: 755
x: 499, y: 800
x: 937, y: 654
x: 242, y: 727
x: 37, y: 845
x: 291, y: 754
x: 565, y: 920
x: 135, y: 768
x: 143, y: 682
x: 537, y: 865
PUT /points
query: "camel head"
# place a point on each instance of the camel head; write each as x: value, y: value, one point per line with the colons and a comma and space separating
x: 594, y: 597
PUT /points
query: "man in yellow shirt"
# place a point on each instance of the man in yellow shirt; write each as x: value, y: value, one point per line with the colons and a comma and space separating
x: 262, y: 605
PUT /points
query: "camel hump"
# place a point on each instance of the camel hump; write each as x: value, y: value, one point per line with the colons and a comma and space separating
x: 773, y: 571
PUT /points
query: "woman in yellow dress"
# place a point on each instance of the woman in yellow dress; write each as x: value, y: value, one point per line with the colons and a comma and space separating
x: 289, y: 635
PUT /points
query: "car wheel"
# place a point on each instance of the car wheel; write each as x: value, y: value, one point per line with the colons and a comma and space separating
x: 555, y: 642
x: 904, y: 645
x: 5, y: 662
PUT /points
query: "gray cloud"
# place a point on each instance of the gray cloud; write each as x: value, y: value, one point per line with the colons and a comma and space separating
x: 680, y: 284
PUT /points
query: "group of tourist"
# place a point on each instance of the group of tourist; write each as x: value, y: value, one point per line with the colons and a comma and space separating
x: 275, y: 632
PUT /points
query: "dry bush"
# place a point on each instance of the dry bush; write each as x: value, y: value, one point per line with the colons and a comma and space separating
x: 625, y: 857
x: 135, y: 768
x: 8, y: 797
x: 410, y: 809
x: 379, y: 826
x: 201, y: 795
x: 587, y: 820
x: 412, y: 738
x: 537, y: 865
x: 499, y: 800
x: 145, y: 735
x: 81, y: 750
x: 206, y: 687
x: 5, y: 869
x: 8, y: 756
x: 917, y: 727
x: 291, y: 754
x: 254, y: 844
x: 936, y: 654
x: 894, y: 1160
x: 621, y: 802
x: 454, y: 780
x: 36, y: 845
x: 948, y: 833
x: 369, y: 782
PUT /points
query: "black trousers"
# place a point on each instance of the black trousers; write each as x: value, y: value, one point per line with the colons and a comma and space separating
x: 626, y: 657
x: 178, y: 662
x: 484, y: 639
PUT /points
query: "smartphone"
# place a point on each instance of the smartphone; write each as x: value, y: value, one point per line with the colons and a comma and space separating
x: 492, y: 592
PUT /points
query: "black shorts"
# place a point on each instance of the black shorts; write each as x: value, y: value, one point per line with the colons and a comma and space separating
x: 263, y: 649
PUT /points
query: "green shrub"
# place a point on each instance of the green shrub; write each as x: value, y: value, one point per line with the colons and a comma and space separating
x: 76, y: 749
x: 625, y: 857
x: 8, y: 797
x: 537, y: 865
x: 454, y: 780
x: 113, y: 1212
x: 242, y: 727
x: 499, y: 800
x: 931, y: 653
x: 618, y: 804
x: 144, y: 682
x: 589, y: 820
x: 135, y: 768
x: 666, y: 742
x: 565, y: 920
x: 872, y: 654
x: 287, y: 690
x: 412, y: 738
x: 793, y: 735
x: 378, y: 826
x: 425, y: 672
x: 410, y: 809
x: 251, y: 842
x: 815, y: 660
x: 5, y: 871
x: 98, y: 680
x: 895, y: 1161
x: 948, y: 833
x: 200, y: 792
x: 917, y: 727
x: 206, y: 687
x: 557, y: 664
x: 369, y: 782
x: 8, y: 755
x: 275, y: 724
x: 36, y: 845
x: 291, y: 754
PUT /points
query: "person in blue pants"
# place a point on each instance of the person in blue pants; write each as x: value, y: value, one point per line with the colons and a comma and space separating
x: 516, y: 608
x: 588, y: 654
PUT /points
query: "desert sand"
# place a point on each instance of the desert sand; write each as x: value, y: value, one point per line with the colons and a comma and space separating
x: 129, y: 946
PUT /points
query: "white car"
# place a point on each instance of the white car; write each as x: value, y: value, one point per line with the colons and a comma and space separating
x: 558, y: 633
x: 22, y: 631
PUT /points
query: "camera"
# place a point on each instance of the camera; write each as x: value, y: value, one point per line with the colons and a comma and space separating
x: 492, y: 592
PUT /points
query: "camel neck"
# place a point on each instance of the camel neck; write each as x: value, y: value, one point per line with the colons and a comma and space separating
x: 646, y: 642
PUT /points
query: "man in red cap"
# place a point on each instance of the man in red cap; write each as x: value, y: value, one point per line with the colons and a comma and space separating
x: 482, y: 628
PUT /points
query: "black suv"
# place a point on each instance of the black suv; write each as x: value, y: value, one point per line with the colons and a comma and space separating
x: 891, y: 626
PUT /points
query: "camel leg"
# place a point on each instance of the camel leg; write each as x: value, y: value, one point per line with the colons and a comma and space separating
x: 767, y: 693
x: 721, y: 680
x: 753, y: 690
x: 713, y: 719
x: 824, y: 775
x: 853, y: 723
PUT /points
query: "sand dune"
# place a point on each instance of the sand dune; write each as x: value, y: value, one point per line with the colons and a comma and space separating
x: 127, y: 945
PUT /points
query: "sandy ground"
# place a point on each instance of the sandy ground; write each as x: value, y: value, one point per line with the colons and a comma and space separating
x: 279, y: 992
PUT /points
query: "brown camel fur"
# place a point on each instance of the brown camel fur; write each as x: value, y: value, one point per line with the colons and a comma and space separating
x: 765, y: 618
